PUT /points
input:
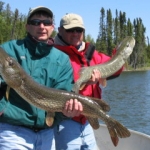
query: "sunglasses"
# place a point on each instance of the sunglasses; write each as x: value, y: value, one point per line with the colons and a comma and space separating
x: 78, y: 30
x: 37, y: 22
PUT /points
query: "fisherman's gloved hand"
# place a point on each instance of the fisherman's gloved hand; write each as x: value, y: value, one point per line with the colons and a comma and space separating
x: 72, y: 108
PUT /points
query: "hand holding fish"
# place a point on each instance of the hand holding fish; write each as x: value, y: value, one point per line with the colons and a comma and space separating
x: 72, y: 108
x: 95, y: 77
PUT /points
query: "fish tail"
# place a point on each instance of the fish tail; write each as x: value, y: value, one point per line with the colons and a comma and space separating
x: 113, y: 135
x: 117, y: 130
x: 122, y: 131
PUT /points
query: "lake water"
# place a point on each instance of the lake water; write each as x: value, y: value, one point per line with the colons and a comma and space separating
x: 129, y: 99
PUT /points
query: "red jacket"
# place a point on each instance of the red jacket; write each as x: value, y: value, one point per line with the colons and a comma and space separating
x: 78, y: 60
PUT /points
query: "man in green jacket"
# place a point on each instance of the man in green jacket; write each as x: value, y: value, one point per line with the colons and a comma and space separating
x: 22, y: 126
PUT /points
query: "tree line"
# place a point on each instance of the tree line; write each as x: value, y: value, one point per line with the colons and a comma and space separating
x: 111, y: 31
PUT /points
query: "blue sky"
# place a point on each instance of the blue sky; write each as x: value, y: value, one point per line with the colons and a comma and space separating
x: 89, y: 10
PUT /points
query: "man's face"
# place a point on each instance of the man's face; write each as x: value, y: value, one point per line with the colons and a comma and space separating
x: 40, y: 27
x: 73, y: 36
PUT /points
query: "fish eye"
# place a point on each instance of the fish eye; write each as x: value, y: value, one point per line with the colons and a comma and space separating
x: 128, y: 44
x: 11, y: 62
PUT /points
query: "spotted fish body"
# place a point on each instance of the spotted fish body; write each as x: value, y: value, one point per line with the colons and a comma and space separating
x: 124, y: 50
x: 52, y: 100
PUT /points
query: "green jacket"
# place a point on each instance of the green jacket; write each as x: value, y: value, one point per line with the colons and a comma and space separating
x: 47, y: 66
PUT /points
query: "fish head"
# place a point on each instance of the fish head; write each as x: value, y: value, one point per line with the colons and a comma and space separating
x: 125, y: 48
x: 9, y: 69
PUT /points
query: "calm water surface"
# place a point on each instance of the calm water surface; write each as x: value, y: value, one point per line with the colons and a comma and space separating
x: 129, y: 99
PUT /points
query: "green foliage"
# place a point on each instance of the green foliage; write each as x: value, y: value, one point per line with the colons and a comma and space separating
x: 88, y: 38
x: 113, y: 30
x: 54, y: 34
x: 12, y: 24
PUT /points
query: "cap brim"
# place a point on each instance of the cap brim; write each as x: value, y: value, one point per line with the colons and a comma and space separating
x: 73, y: 26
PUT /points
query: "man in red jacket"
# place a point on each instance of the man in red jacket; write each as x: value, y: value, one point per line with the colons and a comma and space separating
x: 76, y: 133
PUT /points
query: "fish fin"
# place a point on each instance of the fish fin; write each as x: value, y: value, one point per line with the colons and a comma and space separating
x: 104, y: 106
x: 79, y: 84
x: 93, y: 122
x: 7, y: 92
x: 126, y: 67
x: 116, y: 130
x: 122, y: 131
x: 113, y: 135
x: 82, y: 86
x: 50, y: 118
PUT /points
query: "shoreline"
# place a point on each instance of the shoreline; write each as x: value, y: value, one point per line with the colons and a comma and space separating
x: 140, y: 69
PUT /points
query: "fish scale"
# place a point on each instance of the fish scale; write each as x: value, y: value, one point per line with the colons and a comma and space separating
x: 53, y: 100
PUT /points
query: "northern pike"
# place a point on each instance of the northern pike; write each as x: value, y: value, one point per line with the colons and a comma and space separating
x: 53, y: 100
x: 124, y: 50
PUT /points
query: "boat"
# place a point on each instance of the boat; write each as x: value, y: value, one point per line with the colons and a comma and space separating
x: 137, y: 140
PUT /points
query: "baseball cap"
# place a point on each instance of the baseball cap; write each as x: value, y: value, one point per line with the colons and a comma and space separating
x: 39, y: 8
x: 71, y: 20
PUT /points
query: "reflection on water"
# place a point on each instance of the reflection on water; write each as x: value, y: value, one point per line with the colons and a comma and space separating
x: 129, y: 99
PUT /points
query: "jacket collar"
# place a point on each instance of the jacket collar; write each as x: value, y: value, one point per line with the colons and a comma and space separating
x: 37, y: 48
x: 59, y: 41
